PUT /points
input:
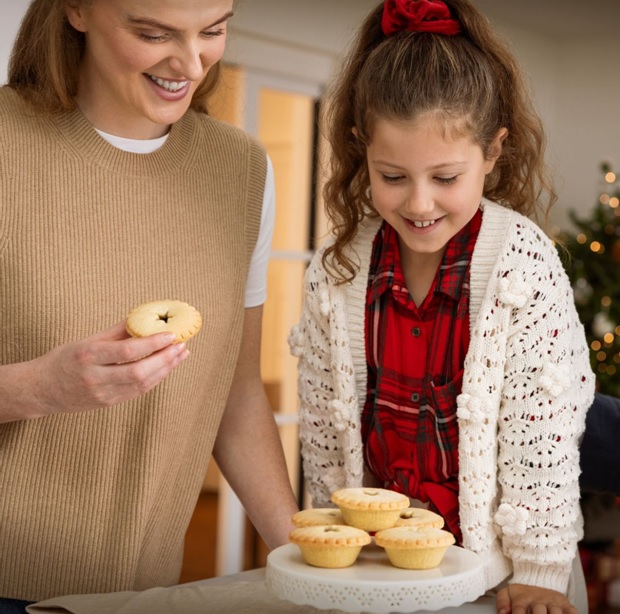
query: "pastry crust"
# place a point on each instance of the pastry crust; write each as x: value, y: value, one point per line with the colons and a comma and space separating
x: 166, y: 316
x: 414, y: 548
x: 329, y: 546
x: 317, y: 517
x: 370, y: 509
x: 370, y: 498
x: 419, y: 517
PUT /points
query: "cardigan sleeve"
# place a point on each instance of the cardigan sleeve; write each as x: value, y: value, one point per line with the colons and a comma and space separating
x: 326, y: 410
x: 548, y: 386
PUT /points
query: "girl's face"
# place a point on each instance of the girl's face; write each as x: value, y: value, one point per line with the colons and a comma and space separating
x: 426, y: 184
x: 144, y: 59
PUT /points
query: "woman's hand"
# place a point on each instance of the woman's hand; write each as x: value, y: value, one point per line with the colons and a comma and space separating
x: 524, y: 599
x: 108, y: 368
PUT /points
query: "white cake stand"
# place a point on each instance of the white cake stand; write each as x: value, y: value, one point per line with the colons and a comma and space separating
x: 373, y: 585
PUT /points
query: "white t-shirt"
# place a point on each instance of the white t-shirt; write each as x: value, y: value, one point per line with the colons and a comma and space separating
x: 256, y: 286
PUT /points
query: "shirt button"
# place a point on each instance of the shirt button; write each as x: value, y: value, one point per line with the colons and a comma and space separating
x: 416, y: 331
x: 415, y: 397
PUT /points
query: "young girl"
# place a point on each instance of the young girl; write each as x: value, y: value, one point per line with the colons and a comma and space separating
x: 440, y: 351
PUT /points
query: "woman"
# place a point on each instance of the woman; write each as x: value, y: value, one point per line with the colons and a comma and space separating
x: 117, y: 189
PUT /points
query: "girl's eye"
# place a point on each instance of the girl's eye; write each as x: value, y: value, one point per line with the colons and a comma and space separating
x: 446, y: 180
x: 391, y: 178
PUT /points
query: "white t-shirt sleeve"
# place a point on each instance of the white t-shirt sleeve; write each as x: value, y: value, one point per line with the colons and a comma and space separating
x: 256, y: 286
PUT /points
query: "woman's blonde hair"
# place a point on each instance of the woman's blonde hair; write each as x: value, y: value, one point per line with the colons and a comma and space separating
x: 46, y: 56
x: 471, y: 81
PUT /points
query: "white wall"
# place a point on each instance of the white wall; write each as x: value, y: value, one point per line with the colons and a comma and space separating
x: 11, y: 14
x: 588, y: 121
x: 293, y: 38
x: 575, y: 88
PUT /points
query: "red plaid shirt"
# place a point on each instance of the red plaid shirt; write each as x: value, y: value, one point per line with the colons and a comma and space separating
x: 415, y: 359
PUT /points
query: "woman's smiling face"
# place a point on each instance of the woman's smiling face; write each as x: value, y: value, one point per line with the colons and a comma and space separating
x: 144, y: 60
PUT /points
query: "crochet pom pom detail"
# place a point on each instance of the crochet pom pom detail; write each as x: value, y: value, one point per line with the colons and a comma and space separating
x: 555, y: 379
x: 514, y: 290
x: 512, y: 520
x: 295, y: 341
x: 339, y: 415
x: 469, y: 408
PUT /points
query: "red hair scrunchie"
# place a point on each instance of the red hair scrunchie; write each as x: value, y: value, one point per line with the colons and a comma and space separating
x: 418, y: 16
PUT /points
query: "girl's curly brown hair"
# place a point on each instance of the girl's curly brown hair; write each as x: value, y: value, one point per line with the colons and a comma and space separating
x: 472, y: 81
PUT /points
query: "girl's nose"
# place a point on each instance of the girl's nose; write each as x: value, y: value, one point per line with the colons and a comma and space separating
x: 419, y: 201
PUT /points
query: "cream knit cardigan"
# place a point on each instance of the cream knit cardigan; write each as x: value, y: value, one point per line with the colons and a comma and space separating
x: 526, y: 388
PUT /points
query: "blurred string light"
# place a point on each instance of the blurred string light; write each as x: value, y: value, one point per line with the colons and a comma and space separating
x: 594, y: 269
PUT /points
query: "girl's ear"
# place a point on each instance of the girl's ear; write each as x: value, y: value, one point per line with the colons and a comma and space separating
x: 495, y: 149
x: 73, y: 11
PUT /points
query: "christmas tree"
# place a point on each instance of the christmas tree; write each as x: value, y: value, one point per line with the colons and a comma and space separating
x: 592, y: 260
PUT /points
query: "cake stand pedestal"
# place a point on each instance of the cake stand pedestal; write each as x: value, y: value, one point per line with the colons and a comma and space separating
x: 373, y: 585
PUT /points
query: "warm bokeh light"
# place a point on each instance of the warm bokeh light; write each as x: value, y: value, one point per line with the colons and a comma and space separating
x: 593, y: 272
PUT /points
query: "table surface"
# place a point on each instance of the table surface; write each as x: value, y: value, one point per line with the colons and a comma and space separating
x: 483, y: 605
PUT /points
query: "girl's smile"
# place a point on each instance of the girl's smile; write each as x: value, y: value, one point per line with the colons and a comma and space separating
x: 422, y: 225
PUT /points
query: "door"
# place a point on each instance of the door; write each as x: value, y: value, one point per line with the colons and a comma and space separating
x: 282, y: 114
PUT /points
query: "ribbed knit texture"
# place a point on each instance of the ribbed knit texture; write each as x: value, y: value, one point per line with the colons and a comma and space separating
x: 100, y: 501
x: 527, y: 385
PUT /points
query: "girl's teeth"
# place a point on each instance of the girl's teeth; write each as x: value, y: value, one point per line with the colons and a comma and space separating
x: 171, y: 86
x: 423, y: 224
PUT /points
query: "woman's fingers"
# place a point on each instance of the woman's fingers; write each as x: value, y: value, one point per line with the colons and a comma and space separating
x: 115, y: 346
x: 104, y: 369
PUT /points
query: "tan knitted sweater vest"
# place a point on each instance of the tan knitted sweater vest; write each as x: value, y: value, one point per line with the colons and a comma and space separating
x: 100, y: 501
